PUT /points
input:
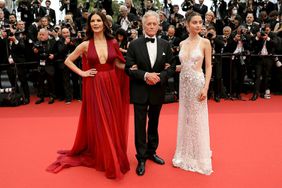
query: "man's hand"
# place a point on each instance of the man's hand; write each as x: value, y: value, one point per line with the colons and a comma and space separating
x: 152, y: 78
x: 134, y: 67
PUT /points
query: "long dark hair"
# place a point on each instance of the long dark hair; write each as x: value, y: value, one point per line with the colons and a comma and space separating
x: 107, y: 28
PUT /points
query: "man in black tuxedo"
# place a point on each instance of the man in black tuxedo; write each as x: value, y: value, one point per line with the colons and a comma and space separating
x: 37, y: 10
x: 201, y: 8
x: 149, y: 63
x: 50, y: 13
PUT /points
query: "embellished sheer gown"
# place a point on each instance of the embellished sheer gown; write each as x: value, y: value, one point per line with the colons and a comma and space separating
x: 101, y: 139
x: 193, y: 141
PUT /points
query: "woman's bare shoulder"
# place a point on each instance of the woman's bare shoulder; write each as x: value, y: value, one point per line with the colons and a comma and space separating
x: 206, y: 41
x: 83, y: 46
x: 182, y: 43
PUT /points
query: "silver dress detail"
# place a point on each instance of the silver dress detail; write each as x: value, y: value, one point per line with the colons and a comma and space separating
x: 193, y: 140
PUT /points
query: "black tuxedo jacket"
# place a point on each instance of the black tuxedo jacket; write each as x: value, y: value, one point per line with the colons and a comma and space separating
x: 137, y: 53
x: 258, y: 45
x: 202, y: 10
x: 52, y: 15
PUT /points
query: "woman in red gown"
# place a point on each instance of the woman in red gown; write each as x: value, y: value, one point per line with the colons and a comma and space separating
x: 101, y: 139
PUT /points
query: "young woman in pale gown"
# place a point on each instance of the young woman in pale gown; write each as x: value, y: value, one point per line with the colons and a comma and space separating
x: 193, y: 141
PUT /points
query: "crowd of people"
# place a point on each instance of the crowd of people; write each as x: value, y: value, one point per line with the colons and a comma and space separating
x: 245, y: 37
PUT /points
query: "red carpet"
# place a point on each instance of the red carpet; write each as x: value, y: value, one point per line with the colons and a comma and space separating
x: 245, y: 138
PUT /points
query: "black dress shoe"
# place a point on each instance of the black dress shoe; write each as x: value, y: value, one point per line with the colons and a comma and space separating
x: 217, y: 99
x: 26, y: 101
x: 254, y: 97
x: 41, y: 100
x: 51, y: 101
x: 140, y: 169
x: 156, y: 159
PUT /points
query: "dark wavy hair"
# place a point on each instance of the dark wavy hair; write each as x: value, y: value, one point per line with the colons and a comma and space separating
x: 190, y: 14
x: 107, y: 28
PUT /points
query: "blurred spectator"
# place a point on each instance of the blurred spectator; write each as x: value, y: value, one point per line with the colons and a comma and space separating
x: 263, y: 46
x: 121, y: 37
x: 44, y: 48
x: 37, y: 10
x: 217, y: 47
x: 24, y: 8
x: 150, y: 6
x: 63, y: 47
x: 125, y: 19
x: 267, y: 6
x: 130, y: 7
x: 4, y: 9
x: 50, y: 13
x: 17, y: 47
x: 163, y: 23
x: 201, y: 8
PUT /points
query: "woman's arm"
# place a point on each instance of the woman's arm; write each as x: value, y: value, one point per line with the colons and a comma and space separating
x: 69, y: 62
x: 208, y: 70
x: 208, y: 63
x: 119, y: 64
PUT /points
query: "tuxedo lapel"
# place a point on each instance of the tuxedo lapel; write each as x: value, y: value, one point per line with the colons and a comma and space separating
x: 144, y: 51
x: 159, y: 53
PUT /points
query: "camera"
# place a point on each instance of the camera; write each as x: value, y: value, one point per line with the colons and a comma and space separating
x: 209, y: 36
x: 66, y: 23
x: 37, y: 44
x: 56, y: 29
x: 82, y: 33
x: 243, y: 37
x: 262, y: 33
x: 23, y: 5
x: 187, y: 5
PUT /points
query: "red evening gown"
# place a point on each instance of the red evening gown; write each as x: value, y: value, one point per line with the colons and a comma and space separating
x: 102, y: 134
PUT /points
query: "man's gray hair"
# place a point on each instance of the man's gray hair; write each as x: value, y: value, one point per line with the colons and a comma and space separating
x: 148, y: 14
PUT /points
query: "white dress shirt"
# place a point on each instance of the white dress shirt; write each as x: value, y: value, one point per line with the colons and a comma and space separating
x: 152, y: 50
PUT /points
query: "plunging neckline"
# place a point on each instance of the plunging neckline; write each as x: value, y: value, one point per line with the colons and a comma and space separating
x: 191, y: 50
x: 98, y: 55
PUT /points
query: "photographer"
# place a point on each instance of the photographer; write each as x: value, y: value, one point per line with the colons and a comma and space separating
x: 217, y: 47
x: 63, y: 47
x: 13, y: 21
x: 240, y: 47
x: 17, y: 47
x: 50, y: 13
x: 37, y: 10
x: 125, y: 19
x: 264, y: 46
x: 44, y: 48
x: 201, y: 8
x: 81, y: 22
x: 24, y: 7
x: 4, y: 47
x: 4, y: 9
x: 174, y: 45
x: 69, y: 23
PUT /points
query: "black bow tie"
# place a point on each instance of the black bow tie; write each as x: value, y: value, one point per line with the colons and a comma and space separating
x: 147, y: 39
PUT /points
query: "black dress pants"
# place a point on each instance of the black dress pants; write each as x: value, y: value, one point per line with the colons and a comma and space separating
x: 146, y: 141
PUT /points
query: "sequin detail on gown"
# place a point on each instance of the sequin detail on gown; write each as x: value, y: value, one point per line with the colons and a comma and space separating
x: 193, y: 141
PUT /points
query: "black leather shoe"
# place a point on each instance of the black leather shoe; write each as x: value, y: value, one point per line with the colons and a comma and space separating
x: 156, y: 159
x: 140, y: 169
x: 39, y: 101
x: 26, y: 101
x: 51, y: 101
x: 217, y: 99
x: 254, y: 97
